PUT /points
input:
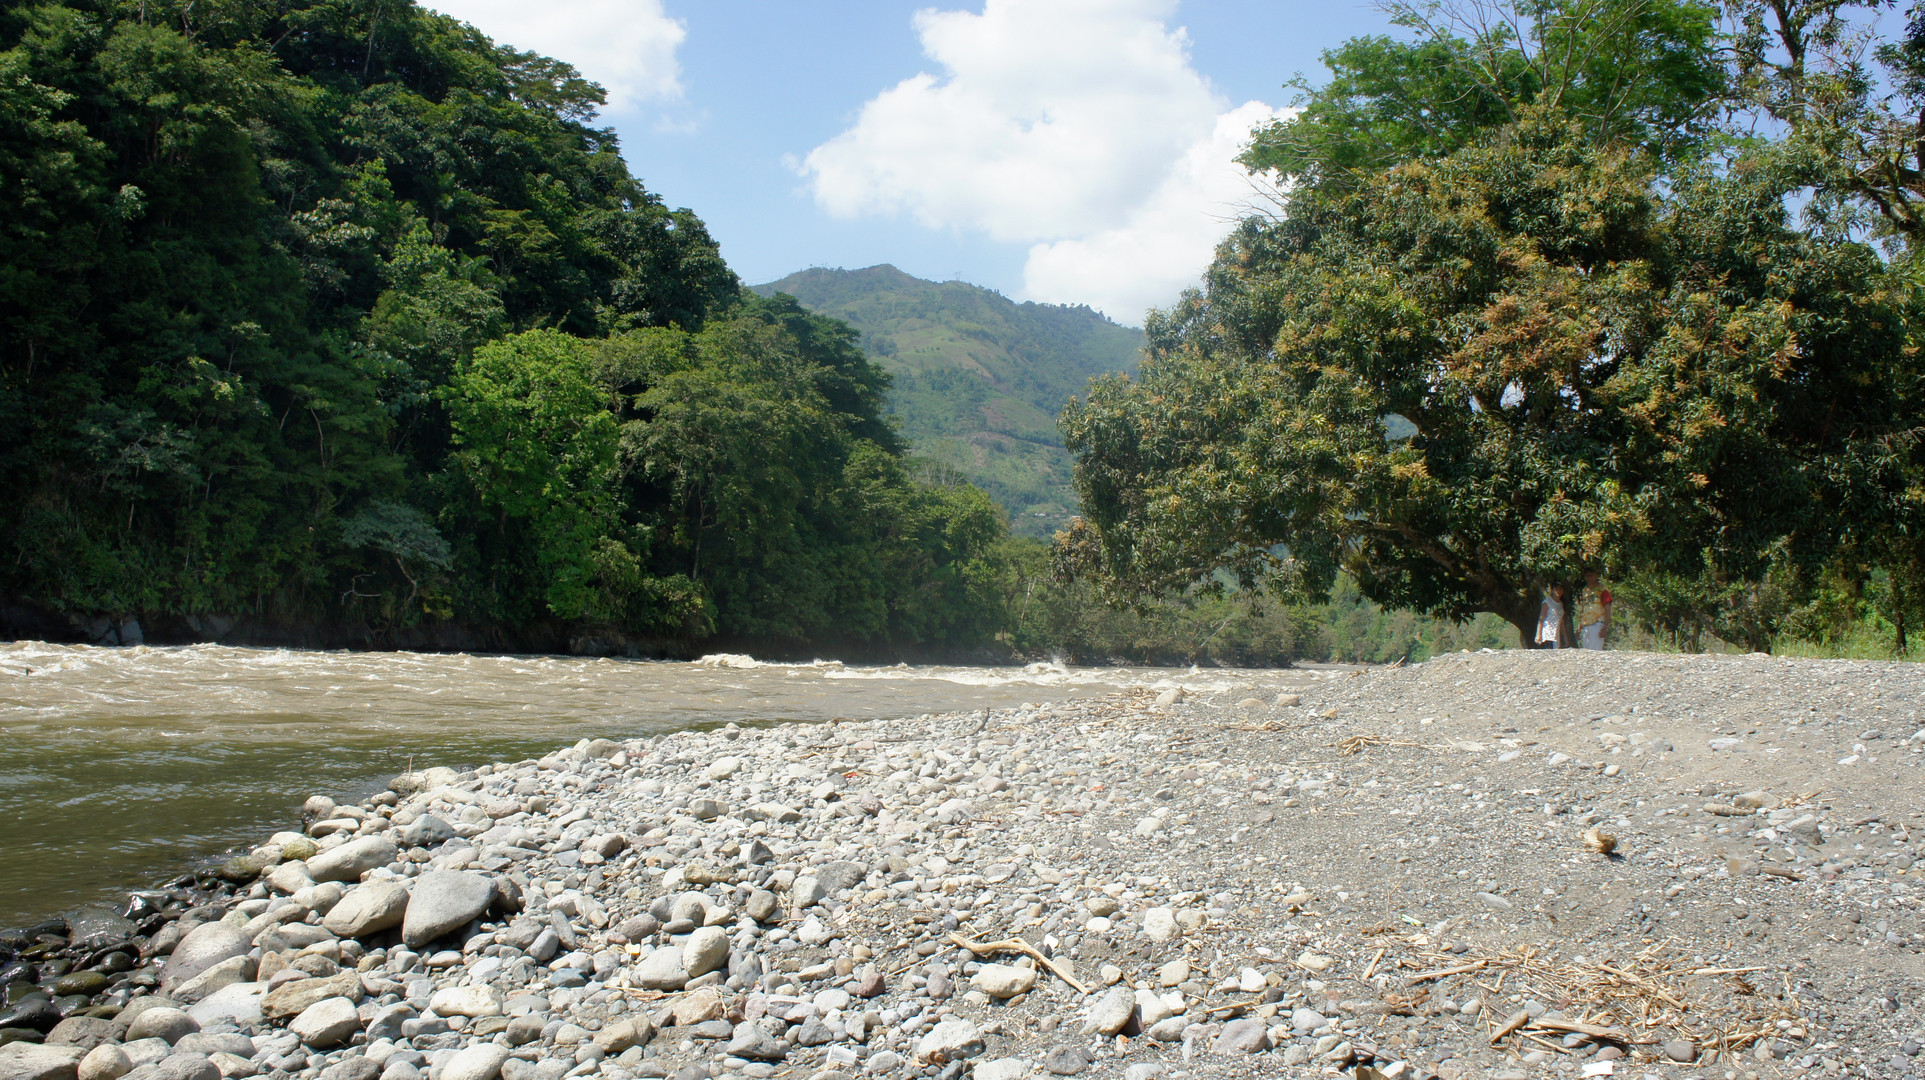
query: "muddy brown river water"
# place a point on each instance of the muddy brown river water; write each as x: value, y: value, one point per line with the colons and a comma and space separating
x: 119, y: 767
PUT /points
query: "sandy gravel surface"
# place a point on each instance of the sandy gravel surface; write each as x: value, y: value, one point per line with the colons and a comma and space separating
x: 1498, y: 865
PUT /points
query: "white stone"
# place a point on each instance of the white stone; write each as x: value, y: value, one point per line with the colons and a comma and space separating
x: 145, y: 1051
x: 661, y: 970
x: 1159, y: 924
x: 368, y: 909
x: 443, y: 901
x: 813, y: 932
x: 951, y: 1040
x: 105, y: 1062
x: 706, y: 950
x: 232, y: 1066
x: 472, y: 1001
x: 326, y: 1023
x: 203, y: 947
x: 1305, y: 1021
x: 807, y: 892
x: 1112, y: 1012
x: 32, y: 1061
x: 481, y: 1061
x: 236, y: 969
x: 723, y: 768
x: 321, y: 897
x: 1152, y: 1008
x: 290, y: 877
x: 352, y: 859
x: 1003, y: 980
x: 1002, y: 1069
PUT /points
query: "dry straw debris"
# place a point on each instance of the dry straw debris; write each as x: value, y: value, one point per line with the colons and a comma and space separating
x: 1637, y: 1003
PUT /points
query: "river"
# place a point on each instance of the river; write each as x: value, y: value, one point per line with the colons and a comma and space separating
x: 127, y: 765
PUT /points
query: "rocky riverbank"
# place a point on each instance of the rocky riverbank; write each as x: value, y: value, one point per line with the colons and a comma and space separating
x: 1500, y: 865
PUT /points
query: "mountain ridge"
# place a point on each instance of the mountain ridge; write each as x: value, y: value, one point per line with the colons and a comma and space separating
x: 979, y: 378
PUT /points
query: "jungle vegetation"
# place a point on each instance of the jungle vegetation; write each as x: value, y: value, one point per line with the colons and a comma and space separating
x: 336, y: 314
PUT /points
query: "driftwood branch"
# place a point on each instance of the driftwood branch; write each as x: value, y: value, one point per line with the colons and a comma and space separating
x: 986, y: 948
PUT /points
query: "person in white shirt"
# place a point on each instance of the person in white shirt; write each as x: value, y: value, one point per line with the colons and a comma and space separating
x: 1550, y: 620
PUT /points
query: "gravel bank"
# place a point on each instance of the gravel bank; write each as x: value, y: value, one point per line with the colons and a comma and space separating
x: 1498, y: 865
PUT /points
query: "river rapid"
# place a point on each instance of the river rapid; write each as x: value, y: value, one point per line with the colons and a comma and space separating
x: 124, y: 766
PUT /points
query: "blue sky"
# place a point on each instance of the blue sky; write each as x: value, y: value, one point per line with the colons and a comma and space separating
x: 1074, y: 151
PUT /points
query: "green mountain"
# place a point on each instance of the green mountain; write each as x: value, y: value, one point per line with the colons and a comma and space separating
x: 979, y: 378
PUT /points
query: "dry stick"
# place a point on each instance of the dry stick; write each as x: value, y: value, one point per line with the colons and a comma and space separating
x: 1373, y: 964
x: 1517, y: 1020
x: 1425, y: 976
x: 1021, y: 946
x: 1543, y: 1042
x: 1571, y: 1027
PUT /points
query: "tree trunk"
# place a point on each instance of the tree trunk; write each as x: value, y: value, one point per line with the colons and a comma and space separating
x: 1525, y: 619
x: 1898, y: 588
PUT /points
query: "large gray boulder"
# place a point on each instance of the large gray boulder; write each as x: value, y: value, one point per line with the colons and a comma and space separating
x: 203, y: 947
x: 427, y: 831
x: 442, y: 901
x: 292, y: 999
x: 326, y: 1023
x: 179, y: 1067
x: 239, y: 1002
x: 85, y: 1032
x: 838, y: 876
x: 352, y: 859
x: 232, y: 970
x: 479, y: 1062
x: 162, y: 1023
x: 369, y: 909
x: 31, y: 1061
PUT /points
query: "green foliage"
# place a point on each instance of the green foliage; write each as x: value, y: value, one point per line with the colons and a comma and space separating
x: 336, y: 312
x: 1048, y: 618
x: 1603, y: 377
x: 977, y: 380
x: 779, y: 485
x: 1641, y: 72
x: 537, y: 445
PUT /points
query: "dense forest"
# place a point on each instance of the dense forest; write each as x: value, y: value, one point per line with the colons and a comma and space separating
x: 976, y: 379
x: 339, y: 323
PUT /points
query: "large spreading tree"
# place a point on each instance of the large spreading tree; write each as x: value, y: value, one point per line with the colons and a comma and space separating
x: 1552, y: 335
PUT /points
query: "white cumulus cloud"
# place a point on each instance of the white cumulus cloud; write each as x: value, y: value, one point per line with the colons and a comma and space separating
x: 1079, y: 127
x: 628, y: 46
x: 1163, y: 244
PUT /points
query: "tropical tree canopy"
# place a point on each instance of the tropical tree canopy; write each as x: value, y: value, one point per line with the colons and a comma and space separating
x: 1516, y: 323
